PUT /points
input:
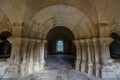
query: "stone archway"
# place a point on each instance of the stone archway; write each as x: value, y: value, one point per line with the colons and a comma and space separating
x: 77, y: 21
x: 65, y: 36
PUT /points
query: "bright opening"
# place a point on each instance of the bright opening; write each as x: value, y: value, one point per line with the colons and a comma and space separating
x: 60, y: 46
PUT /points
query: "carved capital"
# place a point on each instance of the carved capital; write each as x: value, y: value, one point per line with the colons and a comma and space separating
x: 88, y: 42
x: 25, y: 41
x: 14, y: 39
x: 105, y: 41
x: 77, y: 43
x: 38, y: 41
x: 43, y: 42
x: 82, y: 42
x: 95, y: 41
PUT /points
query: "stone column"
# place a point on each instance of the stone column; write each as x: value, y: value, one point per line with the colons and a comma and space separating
x: 84, y: 57
x: 14, y: 60
x: 30, y: 65
x: 89, y: 57
x: 96, y: 47
x: 24, y: 58
x: 42, y: 60
x: 15, y: 52
x: 105, y: 53
x: 24, y: 49
x: 37, y: 56
x: 106, y: 71
x: 78, y: 54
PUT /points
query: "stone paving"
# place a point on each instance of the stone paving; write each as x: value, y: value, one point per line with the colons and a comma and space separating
x: 59, y: 68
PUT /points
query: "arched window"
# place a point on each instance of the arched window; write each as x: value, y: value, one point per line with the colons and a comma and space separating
x: 60, y: 46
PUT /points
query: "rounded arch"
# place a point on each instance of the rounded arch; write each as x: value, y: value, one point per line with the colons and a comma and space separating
x: 60, y: 30
x: 63, y: 35
x: 61, y: 15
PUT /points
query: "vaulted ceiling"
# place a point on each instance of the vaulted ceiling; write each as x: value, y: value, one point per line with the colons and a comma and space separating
x: 35, y: 18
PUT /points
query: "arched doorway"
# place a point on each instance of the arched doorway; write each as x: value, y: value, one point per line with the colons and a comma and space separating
x: 60, y: 44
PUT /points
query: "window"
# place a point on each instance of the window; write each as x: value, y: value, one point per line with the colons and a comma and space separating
x: 59, y: 46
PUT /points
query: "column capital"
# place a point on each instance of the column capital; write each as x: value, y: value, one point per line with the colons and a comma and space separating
x: 44, y: 42
x: 14, y: 39
x: 105, y: 41
x: 95, y: 41
x: 25, y: 40
x: 88, y: 41
x: 32, y: 40
x: 38, y: 40
x: 83, y: 42
x: 76, y: 42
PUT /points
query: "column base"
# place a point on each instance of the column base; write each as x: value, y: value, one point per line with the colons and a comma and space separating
x: 36, y: 66
x: 30, y: 68
x: 97, y: 70
x: 77, y: 65
x: 107, y: 72
x: 83, y: 67
x: 12, y: 72
x: 22, y: 70
x: 90, y: 69
x: 42, y: 64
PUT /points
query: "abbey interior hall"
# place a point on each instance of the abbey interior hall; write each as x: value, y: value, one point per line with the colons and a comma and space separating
x: 59, y: 39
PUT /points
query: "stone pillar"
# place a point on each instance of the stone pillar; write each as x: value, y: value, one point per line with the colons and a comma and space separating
x: 24, y: 58
x: 84, y: 56
x: 78, y: 54
x: 37, y: 56
x: 89, y: 57
x: 14, y: 60
x: 105, y: 53
x: 42, y: 60
x: 97, y: 59
x: 30, y: 65
x: 107, y: 71
x: 24, y: 49
x: 15, y: 52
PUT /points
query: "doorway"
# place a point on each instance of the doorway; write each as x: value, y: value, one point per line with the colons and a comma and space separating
x: 60, y: 48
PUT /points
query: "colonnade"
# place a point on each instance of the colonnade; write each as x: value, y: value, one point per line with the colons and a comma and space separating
x: 28, y: 54
x: 92, y: 55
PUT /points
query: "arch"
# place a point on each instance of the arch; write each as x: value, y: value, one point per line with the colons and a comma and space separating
x: 65, y: 37
x: 61, y: 15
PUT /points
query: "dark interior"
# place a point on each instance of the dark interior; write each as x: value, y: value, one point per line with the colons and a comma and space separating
x: 64, y: 34
x: 5, y: 45
x: 115, y: 46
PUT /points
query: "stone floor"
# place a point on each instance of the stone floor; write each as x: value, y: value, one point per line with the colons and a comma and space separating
x: 59, y: 68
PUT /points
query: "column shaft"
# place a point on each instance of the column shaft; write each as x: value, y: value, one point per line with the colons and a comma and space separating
x: 84, y: 59
x: 78, y: 54
x: 89, y: 56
